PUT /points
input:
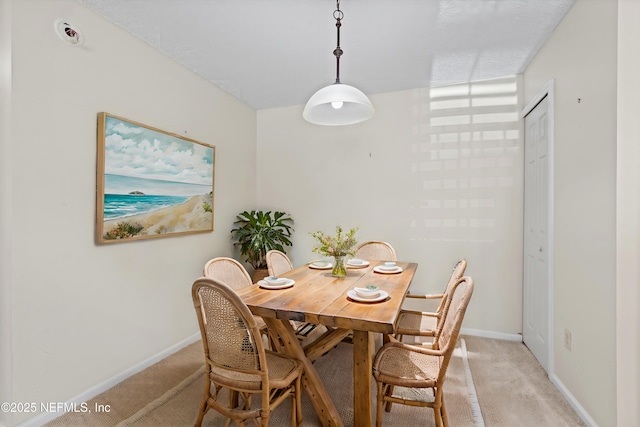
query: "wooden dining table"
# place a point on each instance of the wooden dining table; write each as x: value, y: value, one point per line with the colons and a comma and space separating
x: 319, y: 298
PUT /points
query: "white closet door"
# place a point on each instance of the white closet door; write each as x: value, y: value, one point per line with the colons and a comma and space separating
x: 535, y: 295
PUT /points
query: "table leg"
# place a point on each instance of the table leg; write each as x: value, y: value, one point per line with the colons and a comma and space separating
x: 313, y: 385
x: 362, y: 363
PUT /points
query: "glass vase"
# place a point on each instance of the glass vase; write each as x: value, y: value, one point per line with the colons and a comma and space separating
x: 339, y: 268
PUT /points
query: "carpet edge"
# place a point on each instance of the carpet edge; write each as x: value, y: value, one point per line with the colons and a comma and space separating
x: 168, y: 395
x: 478, y: 420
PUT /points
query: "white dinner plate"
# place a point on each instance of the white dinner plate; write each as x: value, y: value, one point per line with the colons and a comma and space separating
x: 362, y: 264
x: 378, y: 269
x: 289, y: 283
x: 354, y: 296
x: 319, y: 265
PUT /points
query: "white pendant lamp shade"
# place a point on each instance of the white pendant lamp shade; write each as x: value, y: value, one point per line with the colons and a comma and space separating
x: 337, y: 105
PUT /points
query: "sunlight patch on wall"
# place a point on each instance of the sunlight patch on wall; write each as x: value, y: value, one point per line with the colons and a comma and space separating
x: 466, y: 142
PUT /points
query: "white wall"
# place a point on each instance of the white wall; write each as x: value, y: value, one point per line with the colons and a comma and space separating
x: 6, y: 360
x: 437, y: 173
x: 628, y: 211
x: 581, y: 57
x: 83, y: 313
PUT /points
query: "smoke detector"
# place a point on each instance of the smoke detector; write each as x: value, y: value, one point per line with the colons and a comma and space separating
x: 68, y: 32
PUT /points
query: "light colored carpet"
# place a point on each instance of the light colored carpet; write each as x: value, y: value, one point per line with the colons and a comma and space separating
x: 178, y: 406
x: 512, y: 390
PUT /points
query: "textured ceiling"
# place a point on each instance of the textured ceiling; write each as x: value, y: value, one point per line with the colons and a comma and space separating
x: 275, y: 53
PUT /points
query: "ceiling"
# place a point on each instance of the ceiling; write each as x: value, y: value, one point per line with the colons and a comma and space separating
x: 276, y: 53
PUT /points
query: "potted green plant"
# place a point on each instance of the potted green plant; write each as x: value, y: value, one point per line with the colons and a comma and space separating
x: 258, y: 232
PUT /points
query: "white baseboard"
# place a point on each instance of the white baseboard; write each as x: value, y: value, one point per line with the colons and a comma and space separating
x: 491, y: 334
x: 573, y: 402
x: 92, y: 392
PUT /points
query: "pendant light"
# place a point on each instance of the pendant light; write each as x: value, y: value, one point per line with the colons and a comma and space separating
x: 338, y: 104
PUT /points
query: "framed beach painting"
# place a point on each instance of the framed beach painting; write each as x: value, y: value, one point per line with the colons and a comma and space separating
x: 151, y: 183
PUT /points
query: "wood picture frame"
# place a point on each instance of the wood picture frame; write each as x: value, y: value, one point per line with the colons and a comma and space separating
x: 151, y: 183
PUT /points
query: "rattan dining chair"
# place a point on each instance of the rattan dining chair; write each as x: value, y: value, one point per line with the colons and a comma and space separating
x: 278, y: 263
x: 376, y: 250
x: 230, y: 272
x: 424, y: 323
x: 405, y: 365
x: 237, y: 361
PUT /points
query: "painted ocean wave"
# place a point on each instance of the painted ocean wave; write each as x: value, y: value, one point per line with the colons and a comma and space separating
x: 123, y: 205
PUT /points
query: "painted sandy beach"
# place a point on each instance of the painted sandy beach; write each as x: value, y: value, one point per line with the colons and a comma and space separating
x: 193, y: 215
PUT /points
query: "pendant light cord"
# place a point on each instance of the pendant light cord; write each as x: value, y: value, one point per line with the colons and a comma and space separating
x: 338, y: 15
